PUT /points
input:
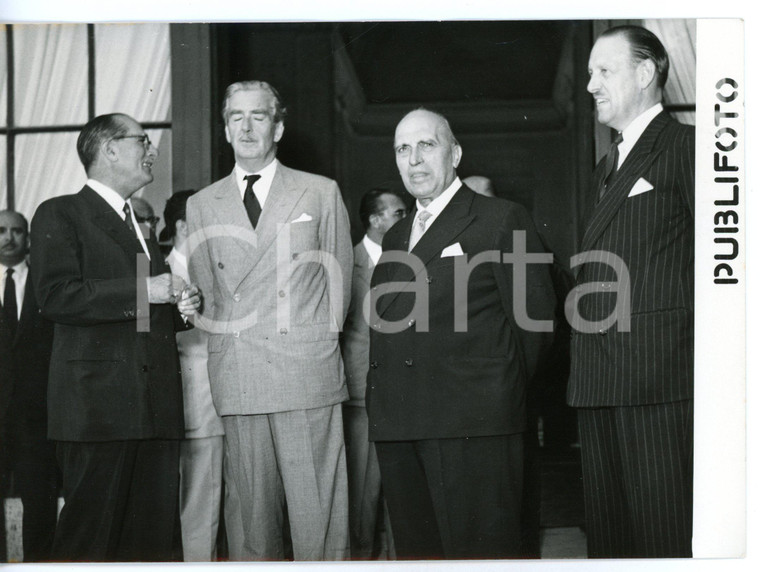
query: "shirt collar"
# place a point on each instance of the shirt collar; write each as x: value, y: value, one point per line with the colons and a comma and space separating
x: 633, y: 132
x: 439, y: 203
x: 262, y: 185
x: 19, y: 270
x: 374, y: 250
x: 108, y: 195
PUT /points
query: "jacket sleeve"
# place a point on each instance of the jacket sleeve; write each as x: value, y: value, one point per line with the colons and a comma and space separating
x: 64, y: 292
x: 335, y: 241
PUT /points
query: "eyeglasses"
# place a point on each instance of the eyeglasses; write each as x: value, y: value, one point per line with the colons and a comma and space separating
x: 144, y: 139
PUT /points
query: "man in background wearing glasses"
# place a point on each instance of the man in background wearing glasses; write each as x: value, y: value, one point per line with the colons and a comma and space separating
x: 114, y: 395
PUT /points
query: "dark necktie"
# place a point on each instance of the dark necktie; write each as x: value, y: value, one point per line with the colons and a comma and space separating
x: 10, y: 308
x: 252, y: 206
x: 128, y: 217
x: 610, y: 164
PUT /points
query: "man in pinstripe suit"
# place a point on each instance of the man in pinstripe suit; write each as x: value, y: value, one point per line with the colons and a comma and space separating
x: 633, y: 380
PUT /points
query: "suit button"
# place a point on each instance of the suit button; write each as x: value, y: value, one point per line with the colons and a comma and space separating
x: 236, y: 334
x: 602, y: 332
x: 220, y: 265
x: 429, y: 280
x: 281, y: 293
x: 236, y: 297
x: 283, y: 331
x: 145, y: 369
x: 295, y: 255
x: 373, y: 365
x: 412, y: 322
x: 409, y: 362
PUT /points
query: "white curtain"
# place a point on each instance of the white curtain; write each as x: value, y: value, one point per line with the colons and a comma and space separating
x: 680, y: 40
x: 132, y: 76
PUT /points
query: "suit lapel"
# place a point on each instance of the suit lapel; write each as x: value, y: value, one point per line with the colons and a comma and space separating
x: 454, y: 219
x: 636, y: 164
x: 104, y: 217
x: 283, y: 197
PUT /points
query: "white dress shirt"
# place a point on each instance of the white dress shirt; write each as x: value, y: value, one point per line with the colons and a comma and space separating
x: 260, y: 187
x: 117, y: 203
x: 436, y: 206
x: 632, y: 133
x: 374, y: 250
x: 20, y: 273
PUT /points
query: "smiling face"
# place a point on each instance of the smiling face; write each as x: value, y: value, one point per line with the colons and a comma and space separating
x: 251, y: 128
x: 14, y: 238
x: 619, y: 84
x: 135, y: 157
x: 426, y: 154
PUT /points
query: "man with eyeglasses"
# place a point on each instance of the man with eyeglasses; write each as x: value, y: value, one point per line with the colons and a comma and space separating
x: 114, y: 395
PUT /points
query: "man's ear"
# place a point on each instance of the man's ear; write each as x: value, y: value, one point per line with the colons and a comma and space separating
x: 279, y: 129
x: 374, y: 220
x: 645, y: 73
x: 456, y: 154
x: 180, y: 227
x: 108, y: 150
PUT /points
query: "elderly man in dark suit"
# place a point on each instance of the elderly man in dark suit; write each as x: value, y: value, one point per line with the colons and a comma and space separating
x: 455, y: 337
x: 27, y: 340
x: 115, y: 401
x: 632, y: 380
x: 379, y: 210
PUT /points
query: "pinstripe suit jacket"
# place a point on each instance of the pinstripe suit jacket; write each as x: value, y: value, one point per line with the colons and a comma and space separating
x: 653, y: 233
x: 274, y: 338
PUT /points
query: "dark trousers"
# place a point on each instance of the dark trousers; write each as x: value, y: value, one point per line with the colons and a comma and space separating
x: 637, y: 479
x: 121, y: 501
x: 37, y: 483
x: 454, y: 498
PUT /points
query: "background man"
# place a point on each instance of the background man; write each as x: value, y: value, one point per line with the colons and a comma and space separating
x: 201, y: 451
x: 379, y: 210
x: 27, y: 340
x: 274, y: 362
x: 634, y: 388
x: 115, y: 407
x: 447, y: 407
x: 144, y: 213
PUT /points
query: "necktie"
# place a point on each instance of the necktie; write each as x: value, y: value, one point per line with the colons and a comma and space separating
x: 10, y: 308
x: 418, y: 228
x: 252, y: 206
x: 128, y: 218
x: 610, y: 164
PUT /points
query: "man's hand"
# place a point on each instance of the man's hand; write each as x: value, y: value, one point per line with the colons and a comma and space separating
x: 190, y: 300
x: 165, y: 288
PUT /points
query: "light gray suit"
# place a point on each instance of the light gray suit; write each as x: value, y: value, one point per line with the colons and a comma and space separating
x: 274, y: 363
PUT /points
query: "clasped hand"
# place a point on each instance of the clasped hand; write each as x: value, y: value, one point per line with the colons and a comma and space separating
x: 172, y: 289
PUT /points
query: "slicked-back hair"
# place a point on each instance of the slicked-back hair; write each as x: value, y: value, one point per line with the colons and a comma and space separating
x: 644, y: 46
x: 280, y: 111
x: 97, y: 130
x: 370, y: 203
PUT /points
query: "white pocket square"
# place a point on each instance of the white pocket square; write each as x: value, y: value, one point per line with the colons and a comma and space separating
x: 452, y: 250
x: 641, y: 186
x: 303, y: 218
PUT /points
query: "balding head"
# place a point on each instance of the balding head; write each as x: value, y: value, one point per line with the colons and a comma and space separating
x: 427, y: 154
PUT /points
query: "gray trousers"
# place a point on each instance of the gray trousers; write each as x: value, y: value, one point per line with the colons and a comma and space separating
x: 294, y: 459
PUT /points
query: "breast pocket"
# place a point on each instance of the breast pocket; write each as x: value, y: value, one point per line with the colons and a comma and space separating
x: 303, y: 236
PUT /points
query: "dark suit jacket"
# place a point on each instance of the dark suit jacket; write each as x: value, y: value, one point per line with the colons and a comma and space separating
x: 24, y: 363
x: 442, y: 383
x: 107, y: 380
x: 653, y: 233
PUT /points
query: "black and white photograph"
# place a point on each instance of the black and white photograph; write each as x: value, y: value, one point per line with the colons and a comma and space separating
x: 338, y: 286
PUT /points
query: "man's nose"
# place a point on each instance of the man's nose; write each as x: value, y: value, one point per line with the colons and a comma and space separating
x: 415, y: 157
x: 593, y: 84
